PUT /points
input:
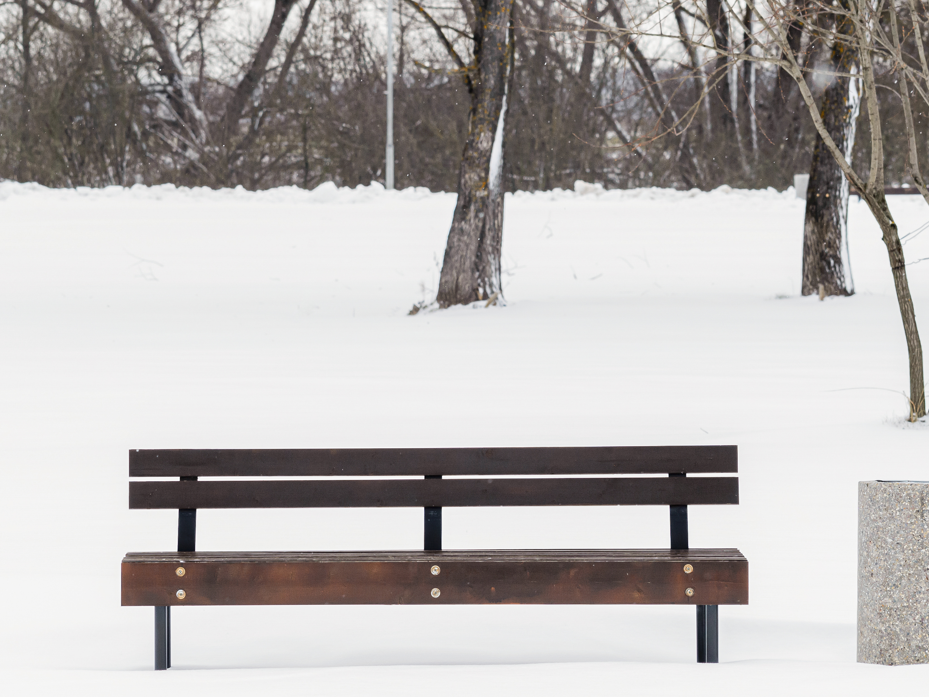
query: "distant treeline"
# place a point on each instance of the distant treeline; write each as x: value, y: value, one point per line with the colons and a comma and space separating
x: 204, y: 92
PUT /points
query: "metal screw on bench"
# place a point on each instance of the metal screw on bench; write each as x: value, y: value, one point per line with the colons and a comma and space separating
x: 435, y: 570
x: 181, y: 594
x: 436, y: 592
x: 180, y: 571
x: 688, y: 569
x: 689, y: 592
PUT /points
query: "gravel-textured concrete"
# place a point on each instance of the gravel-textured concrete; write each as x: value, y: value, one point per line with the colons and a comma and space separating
x: 893, y: 572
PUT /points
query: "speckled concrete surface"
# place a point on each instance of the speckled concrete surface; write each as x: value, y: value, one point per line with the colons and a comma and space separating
x: 893, y: 572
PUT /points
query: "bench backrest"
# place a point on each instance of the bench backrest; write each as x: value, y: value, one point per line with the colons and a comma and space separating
x: 414, y: 477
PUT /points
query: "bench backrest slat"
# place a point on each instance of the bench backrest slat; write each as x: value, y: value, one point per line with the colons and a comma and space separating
x: 394, y: 462
x: 550, y: 491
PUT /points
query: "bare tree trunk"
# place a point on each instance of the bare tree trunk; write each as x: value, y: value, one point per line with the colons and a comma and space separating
x: 699, y: 87
x: 747, y: 93
x: 590, y: 38
x: 471, y: 268
x: 202, y: 64
x: 234, y: 153
x: 826, y: 267
x: 907, y: 314
x: 23, y: 172
x: 256, y: 70
x: 891, y: 234
x: 180, y: 98
x: 721, y: 94
x: 784, y: 86
x: 540, y: 58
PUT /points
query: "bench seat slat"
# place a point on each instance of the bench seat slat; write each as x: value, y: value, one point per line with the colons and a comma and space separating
x: 719, y: 576
x: 551, y: 491
x: 415, y: 555
x: 351, y: 462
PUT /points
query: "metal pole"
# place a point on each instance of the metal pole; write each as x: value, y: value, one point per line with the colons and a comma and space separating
x: 389, y: 179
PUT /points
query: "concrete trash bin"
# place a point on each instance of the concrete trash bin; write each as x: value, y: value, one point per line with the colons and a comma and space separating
x: 893, y: 572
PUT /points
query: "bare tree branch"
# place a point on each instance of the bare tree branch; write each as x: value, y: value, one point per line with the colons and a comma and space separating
x: 463, y: 70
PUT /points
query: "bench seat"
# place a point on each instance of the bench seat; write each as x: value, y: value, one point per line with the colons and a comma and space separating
x: 472, y: 577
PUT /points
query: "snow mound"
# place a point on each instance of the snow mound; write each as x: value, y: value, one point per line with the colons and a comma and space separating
x: 330, y: 193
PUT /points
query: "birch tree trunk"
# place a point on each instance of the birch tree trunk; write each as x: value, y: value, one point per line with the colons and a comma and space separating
x: 825, y: 230
x: 471, y: 267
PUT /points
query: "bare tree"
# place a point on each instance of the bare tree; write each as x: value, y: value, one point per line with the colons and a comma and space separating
x: 219, y: 146
x: 667, y: 120
x: 193, y: 126
x: 91, y: 101
x: 870, y: 39
x: 471, y: 268
x: 860, y: 30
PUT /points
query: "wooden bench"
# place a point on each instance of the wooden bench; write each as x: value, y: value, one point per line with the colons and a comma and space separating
x: 705, y: 578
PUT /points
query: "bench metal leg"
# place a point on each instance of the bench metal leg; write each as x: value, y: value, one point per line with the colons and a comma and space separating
x: 707, y: 633
x: 712, y: 634
x: 701, y: 633
x: 162, y: 638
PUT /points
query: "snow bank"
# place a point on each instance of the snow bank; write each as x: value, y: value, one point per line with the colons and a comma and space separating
x: 330, y: 193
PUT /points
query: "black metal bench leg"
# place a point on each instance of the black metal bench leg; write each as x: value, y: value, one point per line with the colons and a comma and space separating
x: 701, y: 633
x: 707, y: 633
x: 712, y: 633
x: 162, y: 638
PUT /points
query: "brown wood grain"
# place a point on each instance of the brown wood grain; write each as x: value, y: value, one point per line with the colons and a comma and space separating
x: 434, y: 461
x: 719, y: 577
x: 550, y: 491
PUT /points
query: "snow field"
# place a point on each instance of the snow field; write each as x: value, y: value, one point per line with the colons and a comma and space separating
x: 167, y: 317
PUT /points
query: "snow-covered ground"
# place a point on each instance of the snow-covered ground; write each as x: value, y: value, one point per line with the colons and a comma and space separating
x: 156, y: 318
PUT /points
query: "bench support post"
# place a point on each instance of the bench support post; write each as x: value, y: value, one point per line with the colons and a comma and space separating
x: 712, y: 633
x: 432, y: 524
x: 707, y: 615
x: 680, y: 538
x: 679, y: 533
x: 186, y: 542
x: 162, y: 638
x: 187, y: 530
x: 707, y: 633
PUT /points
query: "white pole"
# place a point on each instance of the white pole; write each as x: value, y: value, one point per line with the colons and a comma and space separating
x: 390, y: 95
